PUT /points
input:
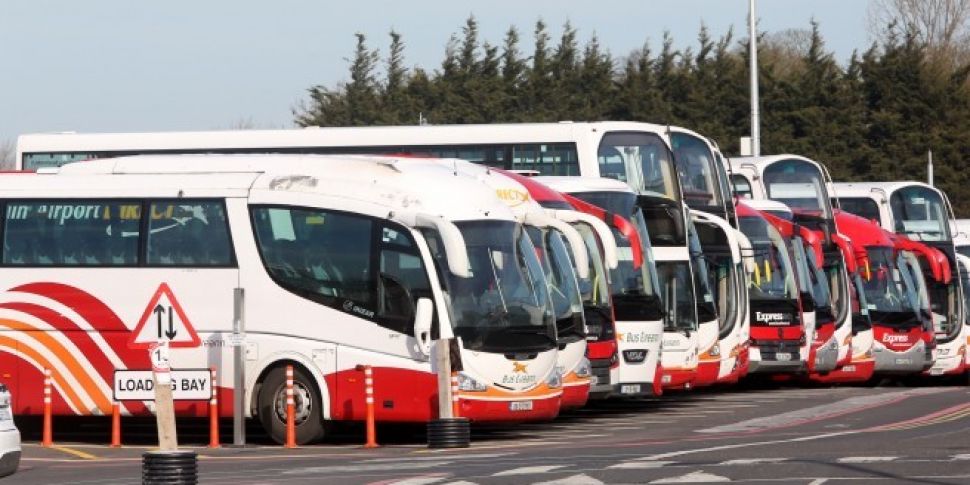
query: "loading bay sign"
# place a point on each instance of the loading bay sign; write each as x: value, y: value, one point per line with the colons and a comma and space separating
x: 138, y: 385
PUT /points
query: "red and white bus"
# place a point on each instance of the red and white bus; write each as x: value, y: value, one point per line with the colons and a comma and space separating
x: 922, y: 213
x: 342, y: 262
x: 634, y: 288
x: 638, y: 154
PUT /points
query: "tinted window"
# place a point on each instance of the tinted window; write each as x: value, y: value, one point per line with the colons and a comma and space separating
x: 862, y: 207
x: 742, y: 187
x: 348, y: 262
x: 188, y: 233
x: 71, y: 233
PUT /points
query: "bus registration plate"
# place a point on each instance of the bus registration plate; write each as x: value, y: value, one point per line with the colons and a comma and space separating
x: 630, y: 389
x: 783, y: 356
x: 520, y: 406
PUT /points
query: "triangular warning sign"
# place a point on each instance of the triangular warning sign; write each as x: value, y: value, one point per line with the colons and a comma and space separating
x: 163, y: 319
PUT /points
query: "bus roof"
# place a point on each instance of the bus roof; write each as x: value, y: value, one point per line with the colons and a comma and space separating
x: 862, y: 189
x: 572, y: 185
x: 410, y: 185
x: 330, y: 136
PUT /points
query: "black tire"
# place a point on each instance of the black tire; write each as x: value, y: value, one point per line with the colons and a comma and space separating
x: 272, y: 415
x: 449, y: 433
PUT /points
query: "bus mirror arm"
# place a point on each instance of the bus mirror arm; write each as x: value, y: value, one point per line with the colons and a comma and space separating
x: 603, y: 232
x: 455, y: 250
x: 576, y: 243
x: 423, y: 312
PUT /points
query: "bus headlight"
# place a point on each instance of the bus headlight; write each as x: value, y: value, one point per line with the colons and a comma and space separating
x: 470, y: 384
x: 555, y: 379
x: 715, y: 350
x: 584, y: 369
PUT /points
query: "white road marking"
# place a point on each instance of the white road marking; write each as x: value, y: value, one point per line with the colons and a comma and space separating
x: 469, y: 456
x: 818, y: 481
x: 753, y: 461
x: 527, y: 470
x: 461, y: 482
x: 373, y: 467
x: 814, y: 413
x: 694, y: 477
x: 641, y: 465
x: 961, y: 457
x: 580, y: 479
x: 866, y: 459
x: 420, y: 480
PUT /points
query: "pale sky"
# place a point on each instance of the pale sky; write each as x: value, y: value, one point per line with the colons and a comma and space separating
x: 113, y: 65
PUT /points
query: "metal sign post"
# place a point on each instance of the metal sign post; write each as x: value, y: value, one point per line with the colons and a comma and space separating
x: 239, y: 369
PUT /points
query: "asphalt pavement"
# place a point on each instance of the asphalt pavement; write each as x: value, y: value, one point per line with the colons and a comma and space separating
x: 782, y: 435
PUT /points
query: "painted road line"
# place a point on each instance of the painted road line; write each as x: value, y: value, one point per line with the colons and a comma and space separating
x: 818, y: 413
x: 866, y: 459
x: 753, y: 461
x: 470, y: 456
x: 529, y: 470
x: 580, y: 479
x: 641, y: 465
x: 373, y: 467
x: 420, y: 480
x: 78, y: 453
x: 694, y: 477
x: 961, y: 457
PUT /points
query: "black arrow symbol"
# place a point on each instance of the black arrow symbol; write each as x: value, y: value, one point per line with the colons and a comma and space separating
x: 170, y: 333
x: 159, y: 310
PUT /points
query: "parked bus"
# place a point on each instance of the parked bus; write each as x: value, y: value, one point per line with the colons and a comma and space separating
x: 635, y: 153
x: 782, y: 323
x: 922, y: 213
x: 729, y: 264
x: 342, y: 262
x: 634, y: 287
x: 805, y: 186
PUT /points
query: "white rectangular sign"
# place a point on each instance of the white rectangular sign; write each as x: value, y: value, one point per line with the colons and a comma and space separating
x: 187, y: 385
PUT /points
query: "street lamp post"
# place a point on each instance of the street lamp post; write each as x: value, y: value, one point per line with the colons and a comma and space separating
x: 755, y: 115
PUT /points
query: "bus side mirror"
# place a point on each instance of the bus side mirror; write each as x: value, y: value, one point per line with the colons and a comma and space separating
x: 423, y: 312
x: 808, y: 301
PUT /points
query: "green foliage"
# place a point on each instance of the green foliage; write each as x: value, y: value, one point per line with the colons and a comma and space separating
x: 873, y: 118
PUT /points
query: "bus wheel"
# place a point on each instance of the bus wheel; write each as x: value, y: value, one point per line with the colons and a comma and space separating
x: 272, y: 406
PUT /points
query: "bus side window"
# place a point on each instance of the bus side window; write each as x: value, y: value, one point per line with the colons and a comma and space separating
x: 188, y: 233
x: 71, y: 233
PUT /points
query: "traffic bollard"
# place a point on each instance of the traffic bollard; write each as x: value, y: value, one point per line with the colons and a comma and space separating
x: 369, y: 401
x: 290, y: 410
x: 48, y: 438
x: 455, y: 408
x: 213, y: 412
x: 116, y: 425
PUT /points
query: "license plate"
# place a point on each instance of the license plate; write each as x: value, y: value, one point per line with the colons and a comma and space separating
x: 783, y: 356
x: 630, y: 389
x: 904, y: 361
x: 520, y: 406
x: 593, y: 380
x: 936, y: 372
x: 849, y: 368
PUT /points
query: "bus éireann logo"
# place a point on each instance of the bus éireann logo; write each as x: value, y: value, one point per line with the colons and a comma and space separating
x: 518, y: 367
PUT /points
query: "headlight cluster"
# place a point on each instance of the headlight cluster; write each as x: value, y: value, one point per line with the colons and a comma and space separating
x: 584, y: 369
x: 715, y: 350
x: 470, y: 384
x: 555, y: 379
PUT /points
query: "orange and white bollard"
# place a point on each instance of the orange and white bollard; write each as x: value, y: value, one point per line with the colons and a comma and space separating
x: 48, y: 434
x: 455, y: 408
x: 116, y: 425
x: 369, y: 400
x: 213, y: 411
x: 290, y: 410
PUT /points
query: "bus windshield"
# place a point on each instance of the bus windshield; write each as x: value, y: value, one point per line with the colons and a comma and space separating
x: 861, y: 206
x: 773, y: 277
x: 595, y: 290
x: 504, y: 305
x: 890, y: 289
x: 706, y: 309
x: 640, y: 159
x: 563, y: 287
x: 799, y: 185
x: 635, y: 290
x: 678, y: 296
x: 696, y: 168
x: 919, y: 212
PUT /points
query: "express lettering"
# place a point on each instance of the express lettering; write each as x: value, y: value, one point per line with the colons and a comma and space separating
x: 895, y: 339
x: 771, y: 318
